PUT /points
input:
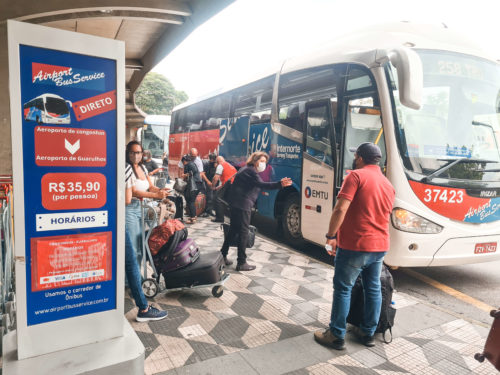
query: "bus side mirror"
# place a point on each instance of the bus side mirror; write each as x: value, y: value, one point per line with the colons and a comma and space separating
x: 69, y: 103
x: 409, y: 71
x: 410, y: 76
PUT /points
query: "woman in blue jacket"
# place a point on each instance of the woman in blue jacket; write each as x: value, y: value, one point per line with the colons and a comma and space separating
x: 245, y: 190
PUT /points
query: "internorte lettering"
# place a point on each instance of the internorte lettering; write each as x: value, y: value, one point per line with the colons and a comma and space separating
x: 288, y: 151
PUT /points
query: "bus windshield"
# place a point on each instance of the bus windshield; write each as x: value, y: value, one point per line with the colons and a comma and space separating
x: 153, y: 139
x: 56, y: 106
x: 456, y: 133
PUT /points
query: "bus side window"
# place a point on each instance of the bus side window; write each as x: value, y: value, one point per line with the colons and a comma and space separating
x: 299, y: 87
x: 318, y: 134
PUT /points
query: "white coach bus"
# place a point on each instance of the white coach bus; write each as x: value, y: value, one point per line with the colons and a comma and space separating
x: 428, y: 97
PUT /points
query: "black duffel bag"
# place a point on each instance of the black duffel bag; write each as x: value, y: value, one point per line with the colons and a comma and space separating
x: 251, y: 235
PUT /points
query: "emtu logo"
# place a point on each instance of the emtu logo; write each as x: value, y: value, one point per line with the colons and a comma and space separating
x: 307, y: 192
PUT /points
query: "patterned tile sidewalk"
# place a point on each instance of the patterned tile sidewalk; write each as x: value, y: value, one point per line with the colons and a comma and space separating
x: 288, y: 296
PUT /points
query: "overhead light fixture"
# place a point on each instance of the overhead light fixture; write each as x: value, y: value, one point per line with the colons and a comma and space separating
x: 107, y: 11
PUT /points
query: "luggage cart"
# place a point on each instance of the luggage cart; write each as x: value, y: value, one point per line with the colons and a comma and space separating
x: 151, y: 285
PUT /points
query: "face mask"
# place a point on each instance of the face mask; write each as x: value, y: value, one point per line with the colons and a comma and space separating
x: 261, y: 167
x: 144, y: 158
x: 136, y: 159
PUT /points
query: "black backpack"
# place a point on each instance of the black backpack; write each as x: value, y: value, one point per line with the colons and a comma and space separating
x: 387, y: 312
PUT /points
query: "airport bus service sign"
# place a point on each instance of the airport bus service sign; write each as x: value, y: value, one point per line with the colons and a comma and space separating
x: 69, y: 157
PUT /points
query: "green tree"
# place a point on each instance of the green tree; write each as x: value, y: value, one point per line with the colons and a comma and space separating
x: 157, y: 95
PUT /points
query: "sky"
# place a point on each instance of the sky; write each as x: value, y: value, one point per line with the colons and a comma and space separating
x: 253, y: 36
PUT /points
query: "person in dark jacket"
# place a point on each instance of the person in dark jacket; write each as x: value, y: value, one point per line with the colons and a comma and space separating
x: 244, y: 193
x: 191, y: 171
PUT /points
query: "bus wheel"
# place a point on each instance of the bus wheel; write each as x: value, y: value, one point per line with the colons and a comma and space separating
x: 291, y: 220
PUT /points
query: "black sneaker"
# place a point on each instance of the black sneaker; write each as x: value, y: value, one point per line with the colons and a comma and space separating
x: 152, y: 314
x: 327, y: 338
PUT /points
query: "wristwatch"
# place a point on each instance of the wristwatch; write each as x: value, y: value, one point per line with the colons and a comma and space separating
x: 334, y: 237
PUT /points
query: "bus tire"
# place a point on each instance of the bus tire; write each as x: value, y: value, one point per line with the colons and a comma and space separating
x: 290, y: 220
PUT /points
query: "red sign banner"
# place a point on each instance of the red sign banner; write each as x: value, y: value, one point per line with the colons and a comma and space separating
x: 70, y: 260
x: 95, y: 106
x: 69, y: 147
x: 42, y: 72
x: 70, y: 191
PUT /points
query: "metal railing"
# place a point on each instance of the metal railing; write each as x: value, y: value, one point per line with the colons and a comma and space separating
x: 7, y: 281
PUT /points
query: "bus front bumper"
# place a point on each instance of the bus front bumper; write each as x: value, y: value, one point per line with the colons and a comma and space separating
x: 467, y: 250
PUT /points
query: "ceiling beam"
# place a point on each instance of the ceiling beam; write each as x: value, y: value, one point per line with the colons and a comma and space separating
x: 170, y: 39
x: 118, y: 14
x: 133, y: 64
x: 24, y: 10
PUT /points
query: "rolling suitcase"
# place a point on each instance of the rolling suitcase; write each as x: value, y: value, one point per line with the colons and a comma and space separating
x: 387, y: 312
x: 185, y: 253
x: 492, y: 345
x: 200, y: 203
x: 208, y: 269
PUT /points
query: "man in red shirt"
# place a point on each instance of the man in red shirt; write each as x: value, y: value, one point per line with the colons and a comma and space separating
x: 223, y: 173
x: 359, y: 226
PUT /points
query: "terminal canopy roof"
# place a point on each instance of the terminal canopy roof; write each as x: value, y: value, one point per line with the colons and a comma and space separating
x: 151, y: 29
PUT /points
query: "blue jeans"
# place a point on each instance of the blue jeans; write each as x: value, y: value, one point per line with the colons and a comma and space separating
x: 133, y: 274
x: 348, y: 265
x: 133, y: 227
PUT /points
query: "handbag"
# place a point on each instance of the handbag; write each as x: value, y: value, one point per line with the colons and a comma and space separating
x: 234, y: 242
x: 192, y: 188
x: 180, y: 185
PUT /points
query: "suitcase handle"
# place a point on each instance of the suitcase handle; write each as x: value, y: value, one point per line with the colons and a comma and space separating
x: 495, y: 313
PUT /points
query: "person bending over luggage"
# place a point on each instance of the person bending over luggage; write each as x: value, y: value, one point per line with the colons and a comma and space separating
x: 142, y: 187
x: 360, y: 218
x: 221, y: 184
x: 133, y: 274
x: 244, y: 192
x: 191, y: 171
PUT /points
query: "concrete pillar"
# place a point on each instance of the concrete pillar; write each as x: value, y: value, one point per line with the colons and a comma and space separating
x: 5, y: 141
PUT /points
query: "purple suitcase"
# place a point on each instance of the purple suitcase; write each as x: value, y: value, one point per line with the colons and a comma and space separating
x: 185, y: 253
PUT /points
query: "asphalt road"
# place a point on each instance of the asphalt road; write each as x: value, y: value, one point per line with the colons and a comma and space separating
x: 480, y: 281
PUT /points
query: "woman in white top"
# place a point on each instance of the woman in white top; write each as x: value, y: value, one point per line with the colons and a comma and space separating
x: 137, y: 176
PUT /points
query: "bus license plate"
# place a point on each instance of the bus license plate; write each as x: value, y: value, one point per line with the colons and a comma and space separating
x: 483, y: 248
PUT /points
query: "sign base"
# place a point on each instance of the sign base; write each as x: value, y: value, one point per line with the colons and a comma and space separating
x: 119, y: 356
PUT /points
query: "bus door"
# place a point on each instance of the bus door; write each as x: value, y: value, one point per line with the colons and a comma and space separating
x: 363, y: 124
x: 318, y: 174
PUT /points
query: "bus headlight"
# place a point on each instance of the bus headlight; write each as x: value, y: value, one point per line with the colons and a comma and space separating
x: 409, y: 222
